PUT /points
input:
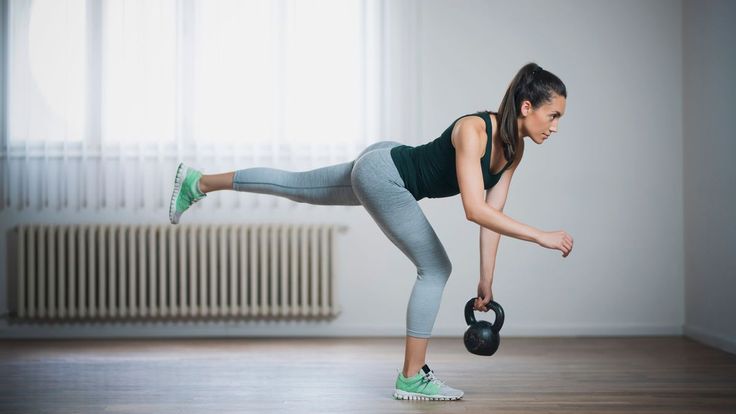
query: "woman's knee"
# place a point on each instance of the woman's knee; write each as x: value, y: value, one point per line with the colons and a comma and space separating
x: 449, y: 268
x: 446, y: 269
x: 438, y: 273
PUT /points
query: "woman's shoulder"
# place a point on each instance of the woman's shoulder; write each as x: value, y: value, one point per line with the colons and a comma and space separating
x: 474, y: 122
x: 479, y: 120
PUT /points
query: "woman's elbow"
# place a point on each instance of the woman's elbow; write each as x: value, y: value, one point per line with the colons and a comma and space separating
x: 472, y: 214
x: 481, y: 214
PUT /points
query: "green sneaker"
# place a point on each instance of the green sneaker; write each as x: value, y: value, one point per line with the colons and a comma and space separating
x: 424, y: 386
x: 186, y: 191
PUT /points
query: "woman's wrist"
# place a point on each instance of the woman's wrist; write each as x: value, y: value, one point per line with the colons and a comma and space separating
x: 537, y: 235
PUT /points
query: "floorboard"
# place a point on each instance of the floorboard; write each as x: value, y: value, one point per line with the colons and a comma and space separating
x: 356, y: 375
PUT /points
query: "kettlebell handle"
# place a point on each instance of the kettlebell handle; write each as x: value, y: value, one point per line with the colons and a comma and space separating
x: 495, y: 307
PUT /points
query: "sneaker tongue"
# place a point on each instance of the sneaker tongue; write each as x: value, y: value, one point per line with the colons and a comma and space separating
x: 426, y: 369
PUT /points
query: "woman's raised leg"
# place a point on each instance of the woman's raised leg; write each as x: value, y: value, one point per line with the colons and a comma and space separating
x: 329, y: 185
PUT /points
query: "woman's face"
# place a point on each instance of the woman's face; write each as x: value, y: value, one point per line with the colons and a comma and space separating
x: 539, y: 123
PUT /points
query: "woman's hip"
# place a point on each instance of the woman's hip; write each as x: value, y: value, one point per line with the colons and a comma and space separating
x: 374, y: 168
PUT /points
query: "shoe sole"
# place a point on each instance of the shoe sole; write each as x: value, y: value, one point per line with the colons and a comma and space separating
x: 403, y: 395
x: 180, y: 174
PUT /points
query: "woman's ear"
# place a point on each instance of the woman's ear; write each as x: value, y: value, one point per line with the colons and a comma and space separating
x: 526, y: 107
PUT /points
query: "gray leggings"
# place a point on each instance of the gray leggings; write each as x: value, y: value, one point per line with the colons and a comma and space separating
x: 373, y: 181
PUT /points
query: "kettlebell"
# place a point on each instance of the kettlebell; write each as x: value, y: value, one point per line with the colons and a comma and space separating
x: 482, y: 338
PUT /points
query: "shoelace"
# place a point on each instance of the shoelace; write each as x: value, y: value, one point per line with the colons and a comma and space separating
x: 430, y: 377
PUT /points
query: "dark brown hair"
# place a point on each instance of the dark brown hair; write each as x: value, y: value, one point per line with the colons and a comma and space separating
x: 531, y: 83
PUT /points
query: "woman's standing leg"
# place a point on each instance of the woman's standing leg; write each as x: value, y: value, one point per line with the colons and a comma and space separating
x: 399, y: 216
x: 377, y: 184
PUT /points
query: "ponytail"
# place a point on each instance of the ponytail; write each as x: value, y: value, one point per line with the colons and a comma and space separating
x: 532, y: 83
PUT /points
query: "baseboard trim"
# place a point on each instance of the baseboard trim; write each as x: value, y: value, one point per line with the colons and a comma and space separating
x: 333, y: 329
x: 709, y: 338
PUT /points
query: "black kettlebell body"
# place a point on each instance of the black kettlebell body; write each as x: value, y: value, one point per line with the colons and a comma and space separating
x: 482, y: 337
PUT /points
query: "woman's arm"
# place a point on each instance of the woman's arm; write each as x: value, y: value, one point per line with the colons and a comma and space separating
x: 496, y: 198
x: 488, y: 248
x: 468, y: 143
x: 494, y: 219
x: 489, y: 241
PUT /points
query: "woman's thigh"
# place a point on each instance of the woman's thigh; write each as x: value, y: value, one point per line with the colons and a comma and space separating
x: 378, y: 186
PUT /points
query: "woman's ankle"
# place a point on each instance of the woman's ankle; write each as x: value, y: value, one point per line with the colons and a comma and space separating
x: 202, y: 186
x: 415, y: 356
x: 410, y: 371
x: 214, y: 182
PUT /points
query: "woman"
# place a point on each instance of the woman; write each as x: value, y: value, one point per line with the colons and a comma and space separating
x: 388, y: 179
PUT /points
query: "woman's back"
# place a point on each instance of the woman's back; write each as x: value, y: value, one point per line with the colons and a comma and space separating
x: 428, y: 170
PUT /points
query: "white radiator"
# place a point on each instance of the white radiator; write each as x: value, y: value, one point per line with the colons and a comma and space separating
x: 147, y: 271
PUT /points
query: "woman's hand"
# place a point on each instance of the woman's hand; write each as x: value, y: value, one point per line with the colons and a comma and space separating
x: 485, y: 295
x: 559, y: 240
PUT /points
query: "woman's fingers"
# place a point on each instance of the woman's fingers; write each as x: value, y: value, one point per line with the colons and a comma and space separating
x: 566, y: 245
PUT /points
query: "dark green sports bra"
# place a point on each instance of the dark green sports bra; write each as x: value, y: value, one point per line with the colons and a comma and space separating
x: 428, y: 170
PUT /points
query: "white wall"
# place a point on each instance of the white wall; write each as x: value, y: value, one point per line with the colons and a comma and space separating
x: 709, y: 172
x: 611, y: 177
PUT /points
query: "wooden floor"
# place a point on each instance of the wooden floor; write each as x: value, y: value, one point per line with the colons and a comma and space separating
x: 216, y: 376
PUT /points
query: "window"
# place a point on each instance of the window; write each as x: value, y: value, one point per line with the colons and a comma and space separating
x: 172, y: 71
x: 47, y: 71
x: 138, y: 71
x: 105, y: 97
